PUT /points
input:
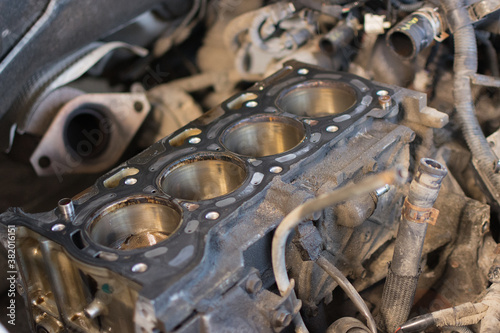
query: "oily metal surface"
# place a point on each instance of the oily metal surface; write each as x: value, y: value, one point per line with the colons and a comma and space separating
x: 228, y: 205
x: 132, y: 225
x: 264, y: 136
x: 203, y: 179
x: 318, y: 99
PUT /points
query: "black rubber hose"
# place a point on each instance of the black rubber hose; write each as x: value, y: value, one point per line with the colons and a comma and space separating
x: 411, y: 35
x: 337, y: 38
x: 482, y: 36
x: 465, y: 66
x: 407, y: 7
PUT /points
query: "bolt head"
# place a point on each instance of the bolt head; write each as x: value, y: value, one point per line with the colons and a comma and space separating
x: 253, y: 284
x: 385, y: 101
x: 494, y: 274
x: 282, y: 318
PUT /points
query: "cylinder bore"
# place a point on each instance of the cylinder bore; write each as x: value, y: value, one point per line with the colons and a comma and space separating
x: 203, y: 177
x: 317, y: 98
x: 135, y: 223
x: 263, y: 136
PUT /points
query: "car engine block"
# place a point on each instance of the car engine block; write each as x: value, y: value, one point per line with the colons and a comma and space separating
x: 178, y: 238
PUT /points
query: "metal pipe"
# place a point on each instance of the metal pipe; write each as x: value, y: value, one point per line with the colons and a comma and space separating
x: 298, y: 214
x: 67, y: 208
x: 485, y: 80
x: 295, y: 217
x: 349, y: 290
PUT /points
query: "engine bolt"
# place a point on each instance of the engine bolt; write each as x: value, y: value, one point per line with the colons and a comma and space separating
x: 194, y: 140
x: 95, y: 309
x: 253, y: 285
x: 276, y: 169
x: 332, y: 129
x: 485, y: 227
x: 303, y: 71
x: 282, y: 318
x: 212, y: 216
x: 496, y: 166
x: 383, y: 190
x: 385, y: 101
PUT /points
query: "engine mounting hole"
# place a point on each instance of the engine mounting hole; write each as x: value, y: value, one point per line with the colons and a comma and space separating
x: 130, y: 181
x: 58, y: 227
x: 238, y: 102
x: 139, y: 268
x: 212, y: 216
x: 44, y: 162
x: 114, y: 180
x: 138, y: 106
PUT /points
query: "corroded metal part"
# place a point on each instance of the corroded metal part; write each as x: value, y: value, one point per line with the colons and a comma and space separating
x: 183, y: 228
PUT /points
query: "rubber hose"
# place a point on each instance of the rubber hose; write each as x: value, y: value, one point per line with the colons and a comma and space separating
x: 465, y: 66
x: 407, y: 7
x: 492, y: 53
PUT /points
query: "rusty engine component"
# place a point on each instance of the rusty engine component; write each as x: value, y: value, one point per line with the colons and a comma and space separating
x: 339, y: 157
x: 188, y: 220
x: 179, y: 236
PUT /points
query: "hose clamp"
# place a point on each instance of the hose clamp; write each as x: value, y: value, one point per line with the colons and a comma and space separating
x: 417, y: 214
x: 480, y: 9
x: 433, y: 17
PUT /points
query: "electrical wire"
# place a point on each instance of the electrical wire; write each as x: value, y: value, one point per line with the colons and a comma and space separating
x: 350, y: 291
x: 367, y: 185
x: 486, y: 80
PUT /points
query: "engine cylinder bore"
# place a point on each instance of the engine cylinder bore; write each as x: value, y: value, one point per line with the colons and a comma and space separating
x: 317, y: 98
x: 204, y: 176
x: 86, y: 132
x: 263, y: 136
x: 135, y: 223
